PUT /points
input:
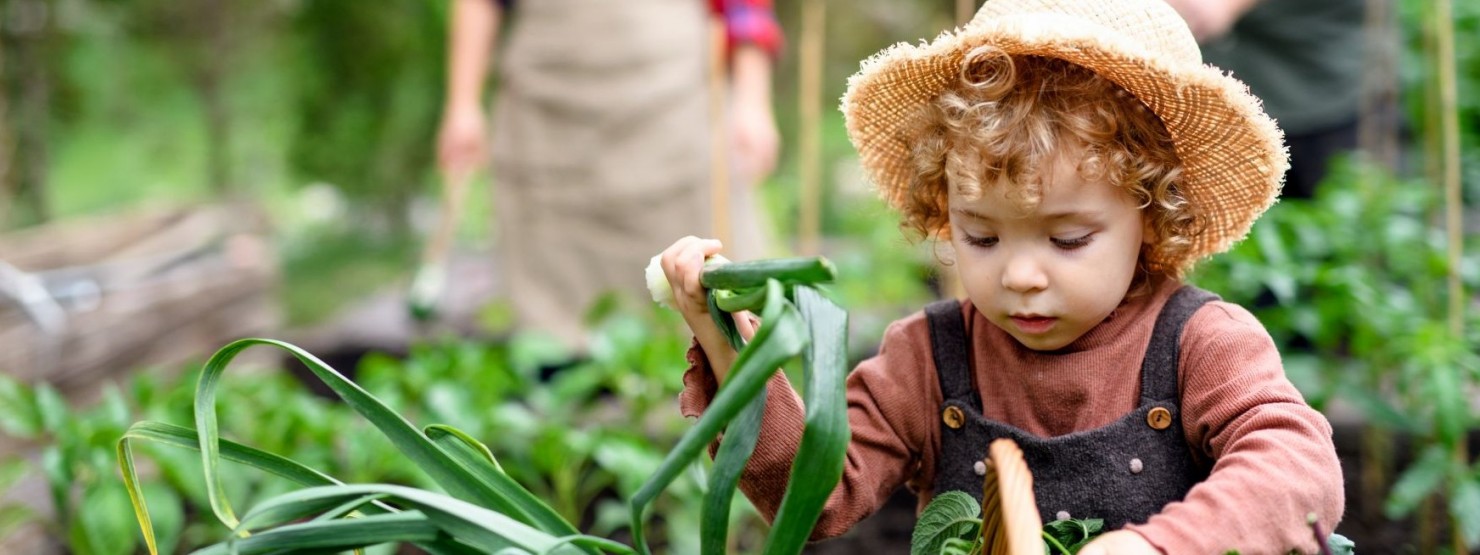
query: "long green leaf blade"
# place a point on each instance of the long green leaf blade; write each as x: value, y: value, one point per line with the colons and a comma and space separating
x: 781, y: 336
x: 477, y: 460
x: 734, y: 451
x: 737, y: 445
x: 819, y: 461
x: 179, y: 436
x: 476, y: 526
x: 335, y: 534
x: 441, y: 466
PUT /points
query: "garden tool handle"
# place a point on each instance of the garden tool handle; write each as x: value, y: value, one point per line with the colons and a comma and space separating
x: 431, y: 274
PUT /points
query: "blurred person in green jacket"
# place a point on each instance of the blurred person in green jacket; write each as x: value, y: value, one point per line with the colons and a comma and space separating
x: 1304, y: 59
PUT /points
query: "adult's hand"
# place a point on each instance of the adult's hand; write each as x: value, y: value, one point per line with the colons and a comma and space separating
x: 755, y: 139
x: 462, y: 141
x: 753, y: 135
x: 1210, y: 19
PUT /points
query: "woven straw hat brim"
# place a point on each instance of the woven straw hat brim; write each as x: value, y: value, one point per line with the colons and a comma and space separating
x: 1233, y: 153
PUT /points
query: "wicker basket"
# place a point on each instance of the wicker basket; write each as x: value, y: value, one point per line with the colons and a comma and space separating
x: 1010, y: 521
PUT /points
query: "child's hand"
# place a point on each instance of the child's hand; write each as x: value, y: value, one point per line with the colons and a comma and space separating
x: 682, y: 263
x: 1120, y: 542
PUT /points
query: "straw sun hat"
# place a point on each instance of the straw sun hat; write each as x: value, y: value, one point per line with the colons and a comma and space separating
x: 1233, y: 153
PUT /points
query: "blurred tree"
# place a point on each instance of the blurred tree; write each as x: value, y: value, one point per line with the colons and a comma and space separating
x: 26, y: 39
x: 205, y: 38
x: 369, y: 97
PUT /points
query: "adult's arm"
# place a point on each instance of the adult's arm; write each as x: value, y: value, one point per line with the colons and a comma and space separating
x: 752, y: 42
x: 462, y: 137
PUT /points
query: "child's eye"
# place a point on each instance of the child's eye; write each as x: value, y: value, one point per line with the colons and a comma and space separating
x: 1074, y: 243
x: 981, y: 242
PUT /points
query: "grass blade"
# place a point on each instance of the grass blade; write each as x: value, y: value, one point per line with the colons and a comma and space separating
x: 819, y: 461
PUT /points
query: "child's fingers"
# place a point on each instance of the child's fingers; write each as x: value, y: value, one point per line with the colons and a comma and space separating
x: 745, y: 323
x: 682, y: 264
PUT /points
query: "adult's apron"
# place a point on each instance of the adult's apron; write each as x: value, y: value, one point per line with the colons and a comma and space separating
x: 601, y: 149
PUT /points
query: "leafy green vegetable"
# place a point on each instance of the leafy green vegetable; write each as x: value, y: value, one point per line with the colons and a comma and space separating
x: 1070, y: 535
x: 951, y: 515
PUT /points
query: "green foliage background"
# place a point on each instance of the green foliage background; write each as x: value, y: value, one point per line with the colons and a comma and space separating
x: 279, y: 101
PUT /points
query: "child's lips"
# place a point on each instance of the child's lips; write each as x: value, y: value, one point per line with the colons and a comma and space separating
x: 1033, y: 323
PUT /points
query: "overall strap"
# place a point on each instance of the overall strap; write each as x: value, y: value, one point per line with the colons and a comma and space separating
x: 1159, y: 368
x: 951, y: 350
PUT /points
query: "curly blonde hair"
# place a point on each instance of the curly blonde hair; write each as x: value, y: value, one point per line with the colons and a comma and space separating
x: 1006, y: 117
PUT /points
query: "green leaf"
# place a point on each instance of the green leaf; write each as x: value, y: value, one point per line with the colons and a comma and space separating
x: 734, y: 451
x: 13, y: 517
x: 739, y: 440
x: 957, y: 546
x: 471, y: 524
x: 51, y: 410
x: 169, y: 434
x: 11, y: 471
x: 447, y: 471
x: 736, y: 301
x: 337, y: 534
x: 168, y: 516
x: 18, y: 414
x: 103, y: 523
x: 1375, y: 408
x: 1464, y: 506
x: 819, y: 461
x: 477, y: 460
x: 1073, y: 534
x: 782, y: 335
x: 953, y: 514
x: 1416, y: 483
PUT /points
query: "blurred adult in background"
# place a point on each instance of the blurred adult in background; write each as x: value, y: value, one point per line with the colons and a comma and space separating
x: 1303, y: 58
x: 601, y: 137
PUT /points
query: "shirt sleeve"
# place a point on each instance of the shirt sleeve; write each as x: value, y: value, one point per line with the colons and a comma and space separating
x: 891, y: 438
x: 749, y: 22
x: 1274, y: 460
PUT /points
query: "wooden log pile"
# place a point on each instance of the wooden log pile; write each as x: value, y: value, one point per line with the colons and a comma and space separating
x: 86, y: 299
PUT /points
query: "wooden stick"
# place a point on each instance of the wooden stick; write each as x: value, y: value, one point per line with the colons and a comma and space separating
x: 719, y: 156
x: 1449, y: 114
x: 454, y: 196
x: 809, y: 100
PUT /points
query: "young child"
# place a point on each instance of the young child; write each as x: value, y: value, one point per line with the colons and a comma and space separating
x: 1077, y: 158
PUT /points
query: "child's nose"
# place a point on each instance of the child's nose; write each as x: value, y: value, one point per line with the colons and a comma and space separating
x: 1023, y: 274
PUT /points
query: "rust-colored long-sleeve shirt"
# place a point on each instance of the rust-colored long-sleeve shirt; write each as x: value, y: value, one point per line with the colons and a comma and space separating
x: 1273, y: 458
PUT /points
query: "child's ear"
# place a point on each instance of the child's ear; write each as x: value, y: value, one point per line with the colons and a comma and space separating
x: 1148, y: 231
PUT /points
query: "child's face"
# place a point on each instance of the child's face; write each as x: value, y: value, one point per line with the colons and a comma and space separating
x: 1051, y: 274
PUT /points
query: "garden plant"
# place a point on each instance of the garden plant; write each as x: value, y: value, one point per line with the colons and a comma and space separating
x: 483, y: 509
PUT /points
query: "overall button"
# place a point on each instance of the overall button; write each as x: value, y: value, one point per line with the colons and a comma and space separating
x: 953, y: 417
x: 980, y: 468
x: 1159, y: 418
